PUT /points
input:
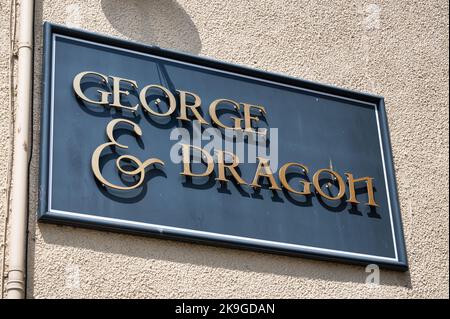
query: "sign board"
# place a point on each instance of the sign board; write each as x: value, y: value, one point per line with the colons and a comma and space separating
x: 139, y: 139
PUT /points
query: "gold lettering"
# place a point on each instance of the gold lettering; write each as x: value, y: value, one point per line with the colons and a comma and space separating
x: 187, y: 160
x: 140, y: 167
x: 285, y: 184
x: 338, y: 178
x: 248, y: 118
x: 369, y: 187
x: 231, y: 167
x: 76, y: 84
x: 193, y: 107
x: 169, y: 95
x: 264, y: 170
x: 215, y: 119
x: 117, y: 92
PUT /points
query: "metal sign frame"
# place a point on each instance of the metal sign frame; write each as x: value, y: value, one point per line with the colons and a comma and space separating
x: 72, y: 218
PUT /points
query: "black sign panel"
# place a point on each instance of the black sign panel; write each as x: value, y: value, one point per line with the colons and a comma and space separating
x: 116, y: 113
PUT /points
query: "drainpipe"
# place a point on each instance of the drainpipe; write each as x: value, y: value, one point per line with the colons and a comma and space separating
x: 15, y: 283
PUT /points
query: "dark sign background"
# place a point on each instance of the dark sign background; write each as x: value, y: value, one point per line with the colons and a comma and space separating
x: 316, y: 124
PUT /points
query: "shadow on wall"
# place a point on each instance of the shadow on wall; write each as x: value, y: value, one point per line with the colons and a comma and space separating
x: 160, y: 22
x: 93, y: 242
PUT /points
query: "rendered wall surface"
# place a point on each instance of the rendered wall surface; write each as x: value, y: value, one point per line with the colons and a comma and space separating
x: 397, y: 49
x: 5, y: 120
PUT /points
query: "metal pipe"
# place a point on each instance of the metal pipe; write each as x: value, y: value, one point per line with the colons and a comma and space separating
x: 15, y: 283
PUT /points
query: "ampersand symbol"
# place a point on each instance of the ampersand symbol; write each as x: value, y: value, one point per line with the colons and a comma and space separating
x: 140, y: 166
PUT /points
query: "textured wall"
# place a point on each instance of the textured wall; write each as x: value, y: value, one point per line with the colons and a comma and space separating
x: 5, y: 120
x: 398, y: 49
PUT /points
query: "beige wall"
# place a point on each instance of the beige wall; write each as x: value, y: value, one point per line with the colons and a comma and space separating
x: 5, y: 120
x: 398, y: 49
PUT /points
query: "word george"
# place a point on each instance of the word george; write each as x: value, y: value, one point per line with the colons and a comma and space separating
x: 116, y: 93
